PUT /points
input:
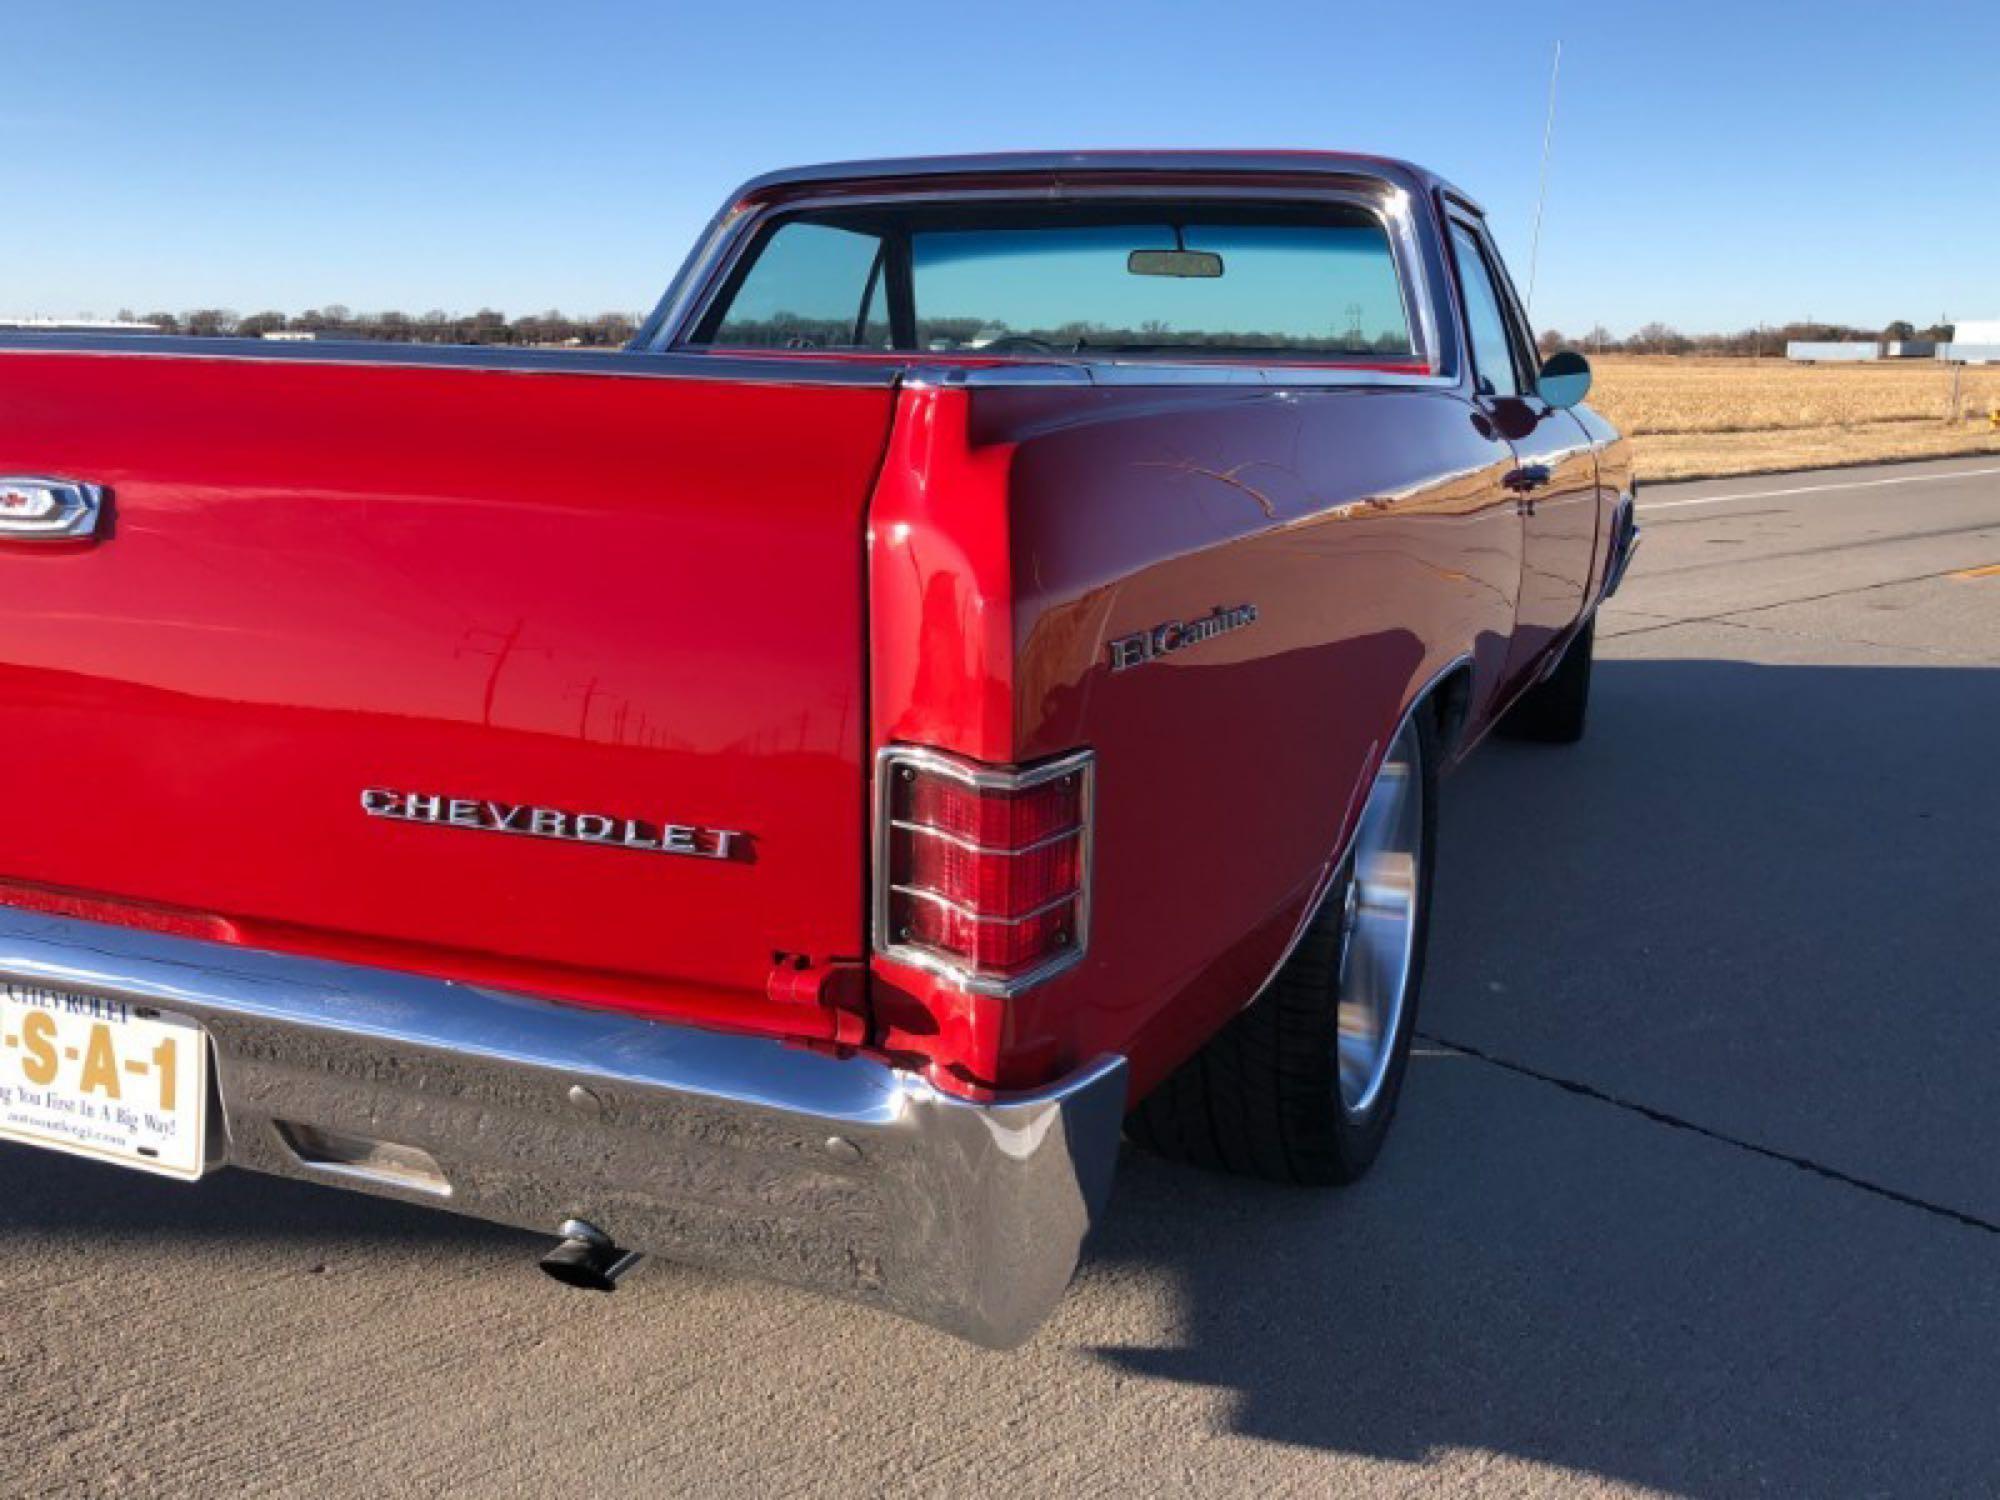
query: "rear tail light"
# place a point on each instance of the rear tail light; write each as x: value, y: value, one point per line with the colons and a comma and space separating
x: 983, y: 874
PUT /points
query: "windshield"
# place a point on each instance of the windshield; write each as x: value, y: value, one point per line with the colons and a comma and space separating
x: 1040, y: 279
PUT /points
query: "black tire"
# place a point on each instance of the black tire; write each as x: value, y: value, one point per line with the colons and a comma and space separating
x: 1554, y: 709
x: 1263, y: 1098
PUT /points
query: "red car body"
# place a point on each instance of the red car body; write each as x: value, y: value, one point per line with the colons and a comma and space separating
x: 710, y: 589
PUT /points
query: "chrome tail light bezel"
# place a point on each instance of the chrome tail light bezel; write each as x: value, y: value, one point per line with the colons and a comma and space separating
x: 893, y: 759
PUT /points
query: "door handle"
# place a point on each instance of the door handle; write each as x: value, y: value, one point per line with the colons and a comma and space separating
x: 48, y: 510
x: 1528, y: 478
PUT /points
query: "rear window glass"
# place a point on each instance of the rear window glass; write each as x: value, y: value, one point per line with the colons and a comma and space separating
x: 1031, y: 281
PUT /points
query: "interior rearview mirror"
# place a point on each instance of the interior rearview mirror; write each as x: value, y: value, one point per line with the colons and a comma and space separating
x: 1565, y: 379
x: 1202, y: 263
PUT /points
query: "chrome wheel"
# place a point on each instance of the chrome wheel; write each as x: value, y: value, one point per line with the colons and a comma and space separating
x: 1378, y: 927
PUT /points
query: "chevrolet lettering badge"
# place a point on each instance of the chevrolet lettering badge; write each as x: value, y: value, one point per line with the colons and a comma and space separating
x: 480, y: 816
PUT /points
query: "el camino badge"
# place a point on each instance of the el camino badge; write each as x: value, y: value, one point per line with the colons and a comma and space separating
x: 1177, y: 635
x: 550, y: 823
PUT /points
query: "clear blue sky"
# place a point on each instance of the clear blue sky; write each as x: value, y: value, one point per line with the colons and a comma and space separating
x: 1715, y: 163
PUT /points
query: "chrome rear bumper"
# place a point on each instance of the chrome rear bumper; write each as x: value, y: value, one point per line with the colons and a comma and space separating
x: 839, y: 1174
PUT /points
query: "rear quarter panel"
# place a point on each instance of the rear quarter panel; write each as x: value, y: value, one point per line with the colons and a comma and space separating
x: 1368, y: 528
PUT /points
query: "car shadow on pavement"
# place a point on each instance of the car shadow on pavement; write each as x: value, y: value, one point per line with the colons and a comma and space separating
x: 1758, y: 902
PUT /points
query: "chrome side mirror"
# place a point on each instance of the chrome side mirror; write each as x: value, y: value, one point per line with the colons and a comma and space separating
x: 1565, y: 379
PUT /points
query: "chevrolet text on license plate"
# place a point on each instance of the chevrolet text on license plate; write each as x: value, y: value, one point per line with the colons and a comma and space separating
x: 102, y: 1078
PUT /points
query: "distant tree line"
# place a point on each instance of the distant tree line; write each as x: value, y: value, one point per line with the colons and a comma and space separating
x: 788, y: 330
x: 611, y: 330
x: 1659, y: 338
x: 781, y: 331
x: 487, y: 326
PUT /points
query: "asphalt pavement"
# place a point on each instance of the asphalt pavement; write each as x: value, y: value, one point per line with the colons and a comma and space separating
x: 1694, y: 1188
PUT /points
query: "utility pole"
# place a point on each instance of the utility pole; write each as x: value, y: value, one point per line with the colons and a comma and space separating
x: 1957, y: 371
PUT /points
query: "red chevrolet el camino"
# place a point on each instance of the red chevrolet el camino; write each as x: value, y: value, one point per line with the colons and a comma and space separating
x: 969, y: 683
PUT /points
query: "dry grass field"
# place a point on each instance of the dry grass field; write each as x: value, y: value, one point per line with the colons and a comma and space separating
x: 1700, y: 418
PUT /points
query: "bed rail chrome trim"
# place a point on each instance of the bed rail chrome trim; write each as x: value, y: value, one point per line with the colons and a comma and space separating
x: 1122, y: 374
x: 618, y: 364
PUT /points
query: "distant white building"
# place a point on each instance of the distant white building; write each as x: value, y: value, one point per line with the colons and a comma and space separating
x: 1812, y: 353
x: 76, y: 325
x: 1975, y: 342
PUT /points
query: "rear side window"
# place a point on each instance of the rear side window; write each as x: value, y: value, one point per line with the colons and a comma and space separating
x: 1027, y: 279
x: 1486, y: 320
x: 813, y: 286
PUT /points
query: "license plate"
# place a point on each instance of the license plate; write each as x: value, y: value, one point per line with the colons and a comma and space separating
x: 102, y: 1078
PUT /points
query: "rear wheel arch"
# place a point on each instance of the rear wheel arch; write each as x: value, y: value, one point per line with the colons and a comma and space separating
x: 1266, y: 1096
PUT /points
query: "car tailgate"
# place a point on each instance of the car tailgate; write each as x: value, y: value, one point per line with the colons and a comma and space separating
x: 331, y: 585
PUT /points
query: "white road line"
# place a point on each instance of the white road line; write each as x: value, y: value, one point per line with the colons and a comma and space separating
x: 1811, y: 489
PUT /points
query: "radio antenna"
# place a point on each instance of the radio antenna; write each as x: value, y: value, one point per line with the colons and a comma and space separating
x: 1541, y: 195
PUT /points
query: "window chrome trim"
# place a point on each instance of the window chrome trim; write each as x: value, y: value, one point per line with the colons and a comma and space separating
x: 660, y: 332
x: 891, y: 758
x: 709, y: 270
x: 1522, y: 345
